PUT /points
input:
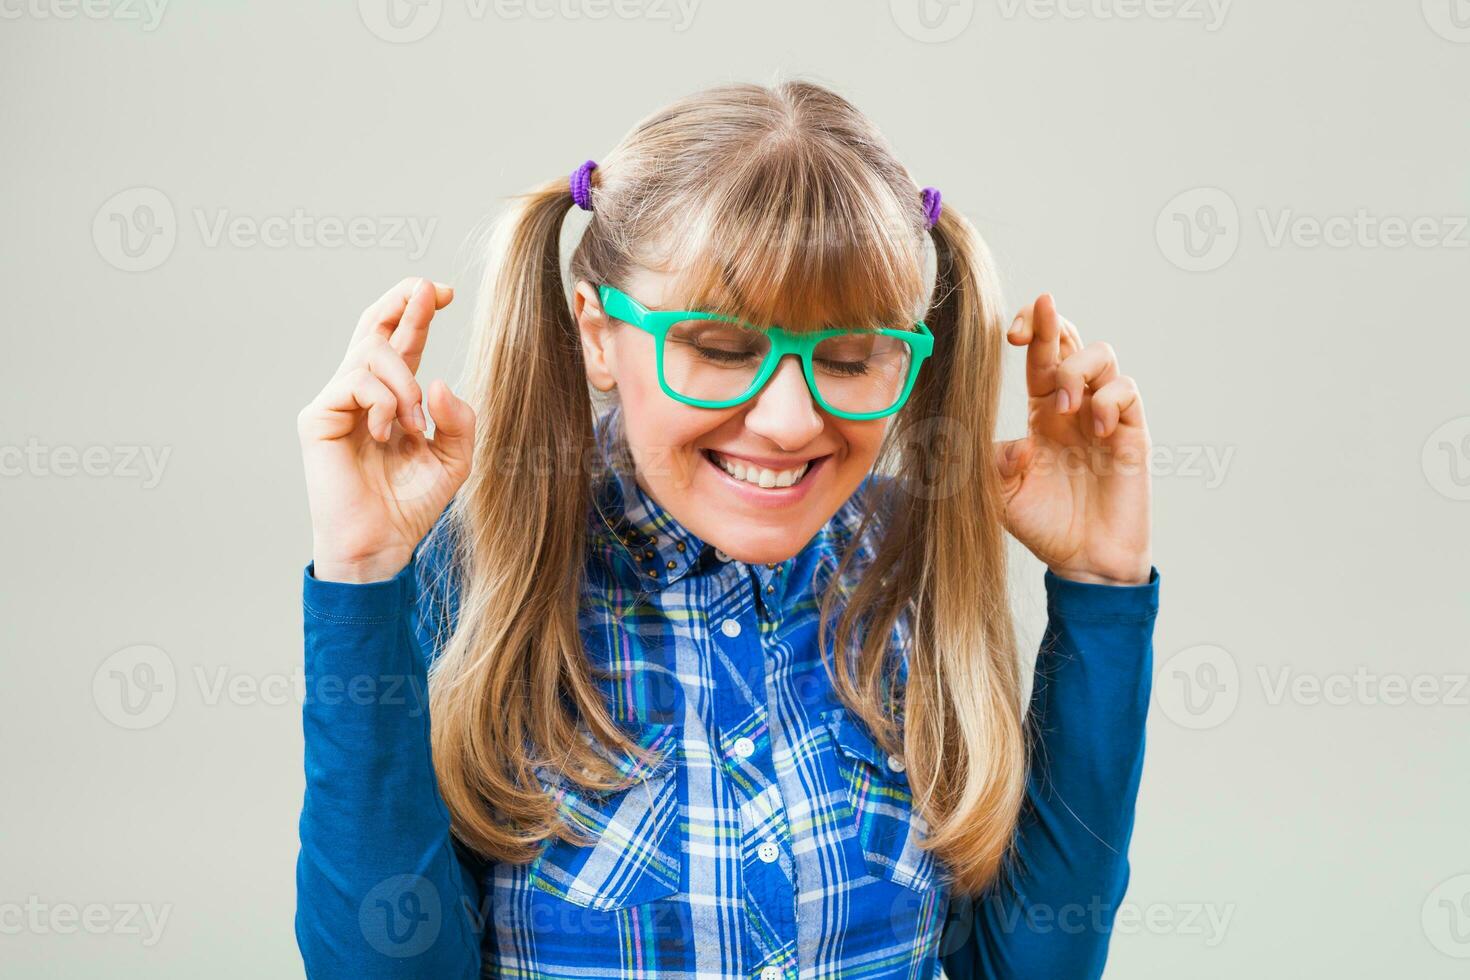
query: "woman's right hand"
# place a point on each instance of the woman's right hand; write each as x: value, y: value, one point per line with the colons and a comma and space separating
x: 375, y: 481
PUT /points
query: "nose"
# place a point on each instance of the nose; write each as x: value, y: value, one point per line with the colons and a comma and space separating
x: 783, y: 411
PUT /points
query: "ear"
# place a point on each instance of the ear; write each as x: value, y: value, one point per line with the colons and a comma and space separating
x: 596, y: 332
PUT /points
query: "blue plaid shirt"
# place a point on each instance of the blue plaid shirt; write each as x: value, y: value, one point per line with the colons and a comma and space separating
x: 771, y: 838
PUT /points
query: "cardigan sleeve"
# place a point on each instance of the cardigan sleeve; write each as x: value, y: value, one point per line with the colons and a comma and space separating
x: 382, y: 888
x: 1051, y: 914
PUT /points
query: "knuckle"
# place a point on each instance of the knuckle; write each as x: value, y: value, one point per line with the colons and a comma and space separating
x: 361, y: 350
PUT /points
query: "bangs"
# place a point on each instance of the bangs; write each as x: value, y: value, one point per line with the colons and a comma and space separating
x: 806, y: 239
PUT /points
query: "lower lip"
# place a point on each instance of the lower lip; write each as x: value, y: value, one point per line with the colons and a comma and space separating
x: 775, y: 496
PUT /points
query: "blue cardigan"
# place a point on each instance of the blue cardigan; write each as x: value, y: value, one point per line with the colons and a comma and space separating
x: 383, y: 890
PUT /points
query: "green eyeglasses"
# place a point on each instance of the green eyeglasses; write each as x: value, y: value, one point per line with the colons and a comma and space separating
x: 710, y: 360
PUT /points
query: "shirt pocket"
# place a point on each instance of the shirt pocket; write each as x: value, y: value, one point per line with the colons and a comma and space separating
x: 637, y: 854
x: 888, y: 829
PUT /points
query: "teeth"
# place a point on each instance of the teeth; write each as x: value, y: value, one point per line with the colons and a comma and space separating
x: 760, y: 476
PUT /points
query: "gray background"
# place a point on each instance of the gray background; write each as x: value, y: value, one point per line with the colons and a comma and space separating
x: 1310, y: 400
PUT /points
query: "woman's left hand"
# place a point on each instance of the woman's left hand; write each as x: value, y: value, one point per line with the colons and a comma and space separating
x: 1076, y: 487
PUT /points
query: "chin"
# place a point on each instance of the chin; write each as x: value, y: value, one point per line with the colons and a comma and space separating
x: 757, y: 549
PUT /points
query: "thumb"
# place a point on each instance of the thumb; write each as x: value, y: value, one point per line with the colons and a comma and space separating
x: 1012, y: 456
x: 454, y: 425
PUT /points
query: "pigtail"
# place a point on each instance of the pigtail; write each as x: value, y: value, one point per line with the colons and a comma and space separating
x: 942, y: 558
x: 496, y: 704
x: 969, y: 626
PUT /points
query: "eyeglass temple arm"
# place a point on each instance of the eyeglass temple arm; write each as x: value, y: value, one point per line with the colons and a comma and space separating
x: 621, y: 306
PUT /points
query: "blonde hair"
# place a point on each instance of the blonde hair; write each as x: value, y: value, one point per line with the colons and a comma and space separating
x: 781, y: 205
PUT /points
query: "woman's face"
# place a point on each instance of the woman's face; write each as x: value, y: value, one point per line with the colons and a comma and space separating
x: 684, y: 454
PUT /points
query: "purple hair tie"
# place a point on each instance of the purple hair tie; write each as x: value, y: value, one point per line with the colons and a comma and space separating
x: 582, y: 185
x: 931, y: 198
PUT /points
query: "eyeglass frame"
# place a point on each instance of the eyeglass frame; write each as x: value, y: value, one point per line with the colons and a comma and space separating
x: 620, y: 306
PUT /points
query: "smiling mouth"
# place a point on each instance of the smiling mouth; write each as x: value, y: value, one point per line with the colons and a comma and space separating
x: 759, y: 476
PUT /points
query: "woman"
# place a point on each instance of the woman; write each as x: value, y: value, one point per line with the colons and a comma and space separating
x: 718, y: 653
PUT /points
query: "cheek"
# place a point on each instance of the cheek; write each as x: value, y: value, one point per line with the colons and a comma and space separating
x: 656, y: 423
x: 635, y: 369
x: 863, y: 440
x: 658, y: 427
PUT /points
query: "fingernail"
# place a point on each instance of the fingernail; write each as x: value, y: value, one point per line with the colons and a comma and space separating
x: 418, y: 287
x: 1097, y: 425
x: 1063, y: 401
x: 418, y: 418
x: 442, y: 285
x: 1015, y: 325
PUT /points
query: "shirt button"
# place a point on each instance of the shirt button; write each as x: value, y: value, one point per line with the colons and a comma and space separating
x: 771, y: 973
x: 895, y: 763
x: 731, y: 628
x: 744, y: 747
x: 721, y: 555
x: 768, y: 852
